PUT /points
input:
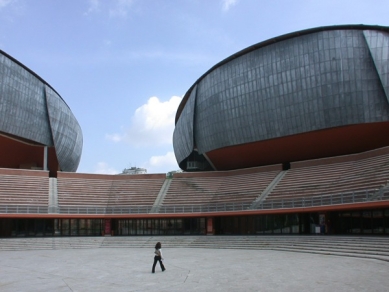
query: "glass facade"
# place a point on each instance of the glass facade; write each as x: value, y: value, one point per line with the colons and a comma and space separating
x: 361, y: 222
x: 52, y: 227
x: 357, y: 222
x: 371, y: 222
x: 174, y: 226
x: 259, y: 224
x: 95, y: 227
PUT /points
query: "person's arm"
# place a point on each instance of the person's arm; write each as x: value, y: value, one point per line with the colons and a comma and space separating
x: 160, y: 252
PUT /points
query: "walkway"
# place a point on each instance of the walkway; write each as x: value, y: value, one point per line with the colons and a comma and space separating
x: 188, y: 269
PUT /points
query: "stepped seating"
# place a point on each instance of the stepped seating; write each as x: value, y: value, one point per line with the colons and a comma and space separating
x: 108, y: 190
x: 24, y: 187
x: 83, y: 191
x: 219, y: 187
x: 357, y: 174
x: 135, y: 192
x: 369, y: 170
x: 362, y: 247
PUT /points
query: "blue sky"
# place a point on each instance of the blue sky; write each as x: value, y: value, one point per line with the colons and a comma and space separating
x: 123, y: 65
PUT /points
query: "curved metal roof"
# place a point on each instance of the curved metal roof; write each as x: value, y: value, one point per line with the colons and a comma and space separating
x: 32, y: 72
x: 272, y: 41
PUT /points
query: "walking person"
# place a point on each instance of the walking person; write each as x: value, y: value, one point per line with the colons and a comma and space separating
x: 158, y: 257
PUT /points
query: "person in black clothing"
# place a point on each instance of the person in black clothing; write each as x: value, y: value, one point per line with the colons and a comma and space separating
x: 158, y: 257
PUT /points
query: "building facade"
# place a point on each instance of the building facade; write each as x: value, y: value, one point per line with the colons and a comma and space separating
x: 295, y: 129
x: 37, y: 128
x: 315, y: 93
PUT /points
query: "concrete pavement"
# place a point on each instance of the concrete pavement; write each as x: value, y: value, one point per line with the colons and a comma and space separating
x: 188, y: 269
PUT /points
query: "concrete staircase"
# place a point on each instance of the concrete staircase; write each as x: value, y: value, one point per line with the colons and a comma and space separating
x: 50, y: 243
x: 362, y: 247
x: 161, y: 196
x: 268, y: 190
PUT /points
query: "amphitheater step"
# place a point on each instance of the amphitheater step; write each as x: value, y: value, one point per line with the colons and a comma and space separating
x: 363, y: 247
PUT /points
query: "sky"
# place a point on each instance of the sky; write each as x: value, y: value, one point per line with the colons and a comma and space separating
x: 123, y: 66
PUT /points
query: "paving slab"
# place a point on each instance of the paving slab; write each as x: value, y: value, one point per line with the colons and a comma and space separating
x: 187, y: 269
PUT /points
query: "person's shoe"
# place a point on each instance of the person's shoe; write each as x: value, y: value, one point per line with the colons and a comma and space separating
x: 163, y: 270
x: 152, y: 272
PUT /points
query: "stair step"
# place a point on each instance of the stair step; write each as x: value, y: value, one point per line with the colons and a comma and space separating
x: 363, y: 247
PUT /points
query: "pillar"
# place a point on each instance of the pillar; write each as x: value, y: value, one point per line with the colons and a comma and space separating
x: 210, y: 229
x: 45, y: 153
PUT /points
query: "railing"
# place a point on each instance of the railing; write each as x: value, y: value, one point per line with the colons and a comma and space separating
x: 23, y: 209
x: 292, y: 203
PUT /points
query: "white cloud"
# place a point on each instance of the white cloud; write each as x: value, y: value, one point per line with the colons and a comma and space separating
x: 152, y: 124
x: 116, y: 8
x: 121, y: 8
x: 162, y: 163
x: 107, y: 43
x: 94, y: 6
x: 227, y: 4
x: 115, y: 137
x: 4, y: 3
x: 11, y: 10
x: 104, y: 168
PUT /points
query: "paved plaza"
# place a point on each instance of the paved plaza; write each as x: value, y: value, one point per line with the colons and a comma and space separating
x: 188, y: 269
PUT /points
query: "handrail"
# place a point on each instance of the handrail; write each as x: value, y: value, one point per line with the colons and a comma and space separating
x: 270, y: 204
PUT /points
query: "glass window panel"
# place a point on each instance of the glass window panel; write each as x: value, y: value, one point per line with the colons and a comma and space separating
x: 49, y: 227
x: 96, y: 227
x: 163, y: 226
x: 259, y: 228
x: 242, y: 229
x: 277, y: 225
x: 149, y: 226
x: 378, y: 222
x: 65, y: 227
x: 268, y: 224
x: 74, y: 226
x: 83, y: 223
x: 156, y: 227
x: 295, y: 223
x: 187, y: 226
x: 57, y: 227
x: 139, y: 226
x: 178, y: 226
x: 203, y: 226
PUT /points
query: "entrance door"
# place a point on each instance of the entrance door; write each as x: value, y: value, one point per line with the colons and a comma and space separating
x: 309, y: 222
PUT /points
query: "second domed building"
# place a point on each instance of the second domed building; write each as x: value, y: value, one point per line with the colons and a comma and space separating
x: 310, y: 94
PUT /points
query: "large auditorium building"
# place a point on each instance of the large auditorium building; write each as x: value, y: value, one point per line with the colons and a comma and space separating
x: 288, y: 136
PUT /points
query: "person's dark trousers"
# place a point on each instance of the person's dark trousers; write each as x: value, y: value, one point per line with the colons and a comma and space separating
x: 158, y: 259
